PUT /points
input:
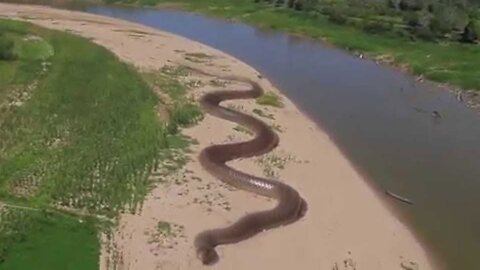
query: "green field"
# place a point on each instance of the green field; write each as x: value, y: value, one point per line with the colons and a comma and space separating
x: 447, y: 62
x: 40, y: 240
x: 79, y: 131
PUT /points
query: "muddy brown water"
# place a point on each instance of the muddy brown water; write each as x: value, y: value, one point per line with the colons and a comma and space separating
x: 380, y: 118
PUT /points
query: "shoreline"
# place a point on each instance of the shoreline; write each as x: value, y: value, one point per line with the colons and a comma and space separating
x: 156, y: 48
x: 468, y: 96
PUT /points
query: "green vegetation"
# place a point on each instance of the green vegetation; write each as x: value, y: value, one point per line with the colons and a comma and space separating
x: 182, y: 110
x: 79, y: 130
x: 41, y: 240
x: 166, y: 229
x: 166, y: 235
x: 374, y: 28
x: 218, y: 83
x: 261, y: 113
x: 272, y: 163
x: 270, y: 99
x: 197, y: 57
x: 243, y: 129
x: 33, y: 48
x: 430, y: 19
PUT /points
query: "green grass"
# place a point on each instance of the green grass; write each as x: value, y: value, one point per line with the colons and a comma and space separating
x: 183, y: 111
x: 453, y: 63
x: 45, y: 241
x: 261, y: 113
x: 33, y: 48
x: 80, y: 130
x: 86, y: 136
x: 270, y: 99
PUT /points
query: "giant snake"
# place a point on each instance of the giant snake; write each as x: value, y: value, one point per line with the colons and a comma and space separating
x: 290, y: 205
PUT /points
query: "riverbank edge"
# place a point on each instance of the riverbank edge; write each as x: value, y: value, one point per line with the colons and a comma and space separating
x: 469, y: 97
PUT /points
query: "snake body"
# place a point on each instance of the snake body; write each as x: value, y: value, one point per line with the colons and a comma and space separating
x: 290, y: 206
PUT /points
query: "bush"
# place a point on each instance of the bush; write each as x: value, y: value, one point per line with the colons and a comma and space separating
x: 270, y: 99
x: 473, y: 13
x: 412, y: 19
x: 185, y: 114
x: 6, y: 48
x: 414, y: 5
x: 471, y: 32
x: 335, y: 15
x: 446, y: 19
x: 440, y: 26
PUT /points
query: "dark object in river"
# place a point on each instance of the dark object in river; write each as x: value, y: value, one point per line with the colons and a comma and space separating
x: 436, y: 114
x: 398, y: 197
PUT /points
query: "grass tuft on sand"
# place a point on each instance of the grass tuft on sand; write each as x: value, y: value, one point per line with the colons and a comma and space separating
x: 270, y: 99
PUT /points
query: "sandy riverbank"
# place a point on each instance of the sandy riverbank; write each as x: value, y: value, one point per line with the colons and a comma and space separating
x: 347, y: 225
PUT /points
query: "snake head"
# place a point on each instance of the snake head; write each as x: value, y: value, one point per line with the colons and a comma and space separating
x: 208, y: 256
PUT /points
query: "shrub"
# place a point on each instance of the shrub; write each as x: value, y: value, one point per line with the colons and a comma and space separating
x: 270, y: 99
x: 440, y: 26
x: 185, y: 113
x: 414, y: 5
x: 335, y: 15
x: 412, y: 19
x: 447, y: 18
x: 471, y: 32
x: 473, y: 13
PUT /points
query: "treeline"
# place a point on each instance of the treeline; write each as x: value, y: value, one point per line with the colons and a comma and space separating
x: 431, y: 20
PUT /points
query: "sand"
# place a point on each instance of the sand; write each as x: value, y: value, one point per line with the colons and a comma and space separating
x: 347, y: 226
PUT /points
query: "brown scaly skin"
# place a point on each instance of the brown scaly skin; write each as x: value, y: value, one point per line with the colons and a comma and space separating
x: 290, y: 205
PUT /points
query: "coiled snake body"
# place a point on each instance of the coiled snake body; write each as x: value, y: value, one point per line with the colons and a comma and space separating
x: 290, y: 206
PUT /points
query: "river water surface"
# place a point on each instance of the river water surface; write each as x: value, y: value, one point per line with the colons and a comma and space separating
x: 380, y: 118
